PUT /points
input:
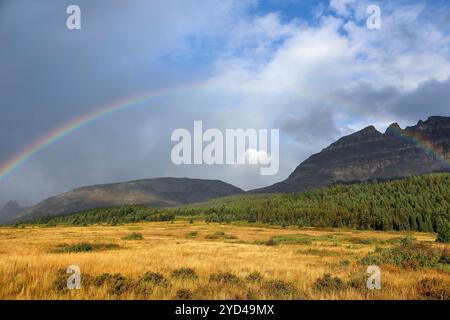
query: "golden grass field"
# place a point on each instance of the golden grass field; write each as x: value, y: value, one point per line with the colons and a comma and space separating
x: 29, y: 266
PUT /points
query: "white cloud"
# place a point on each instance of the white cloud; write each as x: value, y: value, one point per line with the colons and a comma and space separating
x: 342, y: 7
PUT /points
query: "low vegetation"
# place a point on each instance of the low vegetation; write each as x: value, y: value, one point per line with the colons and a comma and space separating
x: 304, y: 264
x: 84, y: 247
x: 410, y: 255
x: 133, y: 236
x: 224, y: 277
x: 328, y: 283
x: 185, y: 274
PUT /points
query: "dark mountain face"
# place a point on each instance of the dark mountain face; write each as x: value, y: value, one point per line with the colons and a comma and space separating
x: 10, y: 211
x: 369, y: 154
x: 160, y: 192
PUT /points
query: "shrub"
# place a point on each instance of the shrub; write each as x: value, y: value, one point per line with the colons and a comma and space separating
x: 60, y: 283
x: 271, y: 242
x: 254, y: 277
x: 184, y: 294
x: 357, y: 281
x: 408, y: 255
x: 103, y: 279
x: 219, y: 235
x: 79, y: 247
x: 142, y: 289
x: 345, y: 263
x: 328, y: 283
x: 185, y: 273
x: 192, y: 234
x: 155, y: 278
x: 216, y: 235
x: 433, y: 289
x: 84, y: 247
x: 119, y: 284
x: 280, y: 288
x: 133, y: 236
x: 224, y: 277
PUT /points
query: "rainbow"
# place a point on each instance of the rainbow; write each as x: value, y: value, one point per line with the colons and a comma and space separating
x: 75, y: 124
x: 423, y: 144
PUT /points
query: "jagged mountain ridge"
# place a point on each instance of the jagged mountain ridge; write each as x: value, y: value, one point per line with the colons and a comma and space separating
x: 369, y: 154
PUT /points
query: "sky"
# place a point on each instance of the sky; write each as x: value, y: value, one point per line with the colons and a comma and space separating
x: 312, y: 69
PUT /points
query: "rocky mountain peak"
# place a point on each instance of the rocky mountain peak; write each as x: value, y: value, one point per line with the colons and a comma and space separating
x: 393, y: 129
x: 369, y: 154
x: 369, y: 133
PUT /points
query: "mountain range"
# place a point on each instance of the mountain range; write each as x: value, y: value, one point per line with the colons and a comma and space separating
x: 159, y: 192
x: 362, y: 156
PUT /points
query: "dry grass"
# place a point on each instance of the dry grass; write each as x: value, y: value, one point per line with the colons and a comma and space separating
x: 288, y: 270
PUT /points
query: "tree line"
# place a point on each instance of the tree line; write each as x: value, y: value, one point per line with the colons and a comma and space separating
x: 418, y: 203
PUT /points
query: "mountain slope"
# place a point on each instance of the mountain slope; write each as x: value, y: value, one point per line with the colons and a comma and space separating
x: 10, y: 211
x: 369, y: 154
x: 159, y: 192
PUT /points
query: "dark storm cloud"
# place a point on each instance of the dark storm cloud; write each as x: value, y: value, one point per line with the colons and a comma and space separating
x: 430, y: 98
x: 317, y: 124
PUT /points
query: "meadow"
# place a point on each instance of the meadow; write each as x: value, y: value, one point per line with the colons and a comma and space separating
x: 197, y: 260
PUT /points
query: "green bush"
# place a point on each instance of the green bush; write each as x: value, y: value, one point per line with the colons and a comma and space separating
x: 281, y: 289
x: 216, y: 235
x: 433, y: 289
x: 103, y: 279
x: 133, y: 236
x: 184, y: 294
x: 192, y: 234
x: 328, y: 283
x: 155, y: 279
x: 408, y: 255
x: 60, y: 283
x: 119, y: 284
x: 224, y: 277
x: 84, y: 247
x: 185, y: 274
x: 254, y: 277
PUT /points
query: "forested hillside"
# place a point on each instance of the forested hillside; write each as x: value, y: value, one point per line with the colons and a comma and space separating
x: 416, y: 203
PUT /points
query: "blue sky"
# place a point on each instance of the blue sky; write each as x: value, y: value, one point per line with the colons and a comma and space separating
x: 310, y: 68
